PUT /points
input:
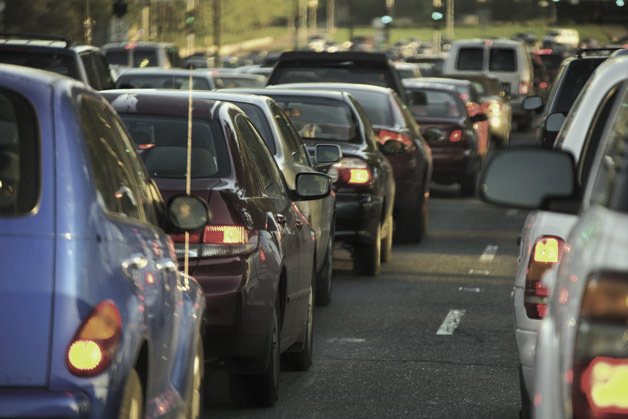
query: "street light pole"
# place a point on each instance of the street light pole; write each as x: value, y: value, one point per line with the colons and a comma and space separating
x: 87, y: 23
x: 436, y: 34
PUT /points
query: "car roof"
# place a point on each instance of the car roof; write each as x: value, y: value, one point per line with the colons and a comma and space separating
x: 333, y: 56
x: 34, y: 76
x: 492, y: 42
x: 159, y: 71
x: 326, y: 94
x: 141, y: 44
x: 332, y: 85
x: 431, y: 85
x: 442, y: 80
x: 222, y: 95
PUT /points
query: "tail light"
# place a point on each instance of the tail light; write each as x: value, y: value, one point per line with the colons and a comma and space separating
x: 545, y: 254
x: 384, y: 135
x: 455, y: 136
x: 96, y: 342
x: 145, y: 146
x: 217, y: 240
x: 600, y: 370
x: 543, y: 85
x: 351, y: 171
x: 524, y: 88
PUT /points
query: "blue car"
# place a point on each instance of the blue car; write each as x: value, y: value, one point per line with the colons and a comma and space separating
x: 95, y: 319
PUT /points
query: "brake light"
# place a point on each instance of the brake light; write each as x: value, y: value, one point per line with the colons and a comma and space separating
x: 524, y: 88
x: 600, y: 387
x: 543, y: 85
x: 545, y: 254
x: 455, y: 135
x: 352, y: 171
x: 145, y: 146
x: 217, y: 240
x: 545, y: 51
x: 384, y: 135
x: 96, y: 342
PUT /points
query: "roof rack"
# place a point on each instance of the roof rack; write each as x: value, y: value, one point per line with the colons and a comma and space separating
x: 582, y: 52
x: 36, y: 37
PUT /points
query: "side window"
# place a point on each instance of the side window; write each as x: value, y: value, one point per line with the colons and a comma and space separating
x: 269, y: 175
x: 368, y: 127
x: 114, y: 180
x: 104, y: 72
x: 292, y: 137
x: 611, y: 185
x: 92, y: 74
x: 19, y: 155
x: 470, y: 59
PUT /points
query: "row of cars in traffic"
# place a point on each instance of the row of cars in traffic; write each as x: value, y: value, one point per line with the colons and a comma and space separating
x: 246, y: 191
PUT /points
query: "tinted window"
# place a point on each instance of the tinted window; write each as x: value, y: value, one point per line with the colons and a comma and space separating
x: 436, y: 103
x: 470, y: 59
x: 256, y: 115
x: 576, y: 76
x: 56, y: 61
x: 234, y: 81
x: 296, y: 149
x: 19, y: 155
x: 374, y: 76
x: 320, y: 119
x: 133, y: 57
x: 502, y: 59
x: 149, y: 81
x: 376, y: 105
x: 164, y: 140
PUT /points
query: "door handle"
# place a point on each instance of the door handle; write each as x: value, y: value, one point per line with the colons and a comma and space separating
x: 281, y: 219
x: 136, y: 262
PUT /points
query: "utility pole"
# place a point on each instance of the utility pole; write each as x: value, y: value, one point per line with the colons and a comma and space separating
x: 436, y: 38
x: 217, y: 31
x: 145, y: 31
x: 450, y: 19
x: 189, y: 22
x: 88, y: 23
x: 351, y: 20
x: 331, y: 21
x: 312, y: 6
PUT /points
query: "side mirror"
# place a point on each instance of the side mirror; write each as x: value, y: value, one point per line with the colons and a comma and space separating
x: 433, y: 134
x: 392, y: 147
x: 479, y: 117
x: 327, y: 154
x: 532, y: 103
x: 529, y: 178
x: 554, y: 122
x: 187, y: 212
x: 312, y: 186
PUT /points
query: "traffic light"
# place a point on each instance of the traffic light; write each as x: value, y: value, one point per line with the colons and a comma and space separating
x: 190, y: 17
x: 119, y: 8
x: 438, y: 17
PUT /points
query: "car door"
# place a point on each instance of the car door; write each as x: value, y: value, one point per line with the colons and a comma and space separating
x: 284, y: 216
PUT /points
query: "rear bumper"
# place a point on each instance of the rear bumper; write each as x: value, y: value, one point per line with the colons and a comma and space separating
x: 357, y: 217
x: 526, y: 331
x: 450, y: 164
x: 39, y: 403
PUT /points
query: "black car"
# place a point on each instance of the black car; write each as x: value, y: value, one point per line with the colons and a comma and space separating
x: 363, y: 179
x: 343, y: 67
x: 572, y: 76
x: 59, y: 55
x: 400, y: 139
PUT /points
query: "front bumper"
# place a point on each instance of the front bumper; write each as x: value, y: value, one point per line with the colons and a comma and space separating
x: 358, y: 217
x: 39, y: 403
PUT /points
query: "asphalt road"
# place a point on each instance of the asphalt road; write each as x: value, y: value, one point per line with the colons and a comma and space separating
x: 431, y: 337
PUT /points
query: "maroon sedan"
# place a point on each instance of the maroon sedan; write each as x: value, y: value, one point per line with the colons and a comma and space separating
x: 449, y: 131
x: 254, y: 260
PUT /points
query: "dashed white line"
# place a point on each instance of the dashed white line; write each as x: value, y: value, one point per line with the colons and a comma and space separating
x: 468, y: 289
x: 512, y: 212
x: 346, y: 340
x: 489, y: 253
x: 451, y: 322
x: 484, y: 272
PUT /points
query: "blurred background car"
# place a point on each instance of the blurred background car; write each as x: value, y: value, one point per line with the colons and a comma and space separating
x: 399, y: 138
x: 407, y: 70
x: 162, y: 78
x: 255, y: 258
x: 562, y: 36
x: 143, y: 54
x: 122, y: 325
x: 448, y: 129
x: 228, y: 80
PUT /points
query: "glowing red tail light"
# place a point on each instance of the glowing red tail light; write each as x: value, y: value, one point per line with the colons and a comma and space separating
x: 545, y: 254
x: 145, y: 146
x: 524, y: 88
x: 351, y: 171
x: 384, y: 135
x: 543, y: 85
x: 600, y: 369
x: 217, y: 240
x: 96, y: 342
x: 455, y: 136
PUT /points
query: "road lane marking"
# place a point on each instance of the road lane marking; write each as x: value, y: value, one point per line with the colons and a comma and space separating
x: 467, y: 289
x: 489, y: 253
x: 484, y: 272
x: 346, y: 340
x: 451, y: 322
x: 512, y: 212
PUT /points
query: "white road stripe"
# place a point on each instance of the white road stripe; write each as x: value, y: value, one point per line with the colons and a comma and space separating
x: 489, y: 253
x: 512, y: 212
x: 451, y: 322
x: 346, y: 340
x: 467, y: 289
x: 485, y: 272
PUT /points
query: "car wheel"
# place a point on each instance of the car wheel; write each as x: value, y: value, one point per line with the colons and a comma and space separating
x: 412, y: 227
x: 468, y: 184
x: 387, y: 241
x: 367, y: 257
x: 262, y: 389
x: 526, y: 407
x: 302, y: 360
x: 324, y: 278
x: 194, y: 402
x: 132, y: 405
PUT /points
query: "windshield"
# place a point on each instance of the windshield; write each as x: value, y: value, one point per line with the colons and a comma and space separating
x: 58, y: 62
x: 374, y: 76
x: 434, y: 103
x: 150, y: 81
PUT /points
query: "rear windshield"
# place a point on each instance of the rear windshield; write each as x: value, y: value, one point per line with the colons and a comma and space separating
x: 502, y: 59
x: 576, y: 76
x: 19, y: 155
x: 317, y: 118
x: 326, y: 72
x: 470, y: 59
x: 151, y: 81
x: 434, y: 103
x: 227, y: 82
x: 377, y: 107
x: 133, y: 57
x: 56, y: 61
x: 162, y: 142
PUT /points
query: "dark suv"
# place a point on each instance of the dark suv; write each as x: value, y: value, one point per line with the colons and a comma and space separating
x: 59, y: 55
x: 344, y: 67
x: 572, y: 76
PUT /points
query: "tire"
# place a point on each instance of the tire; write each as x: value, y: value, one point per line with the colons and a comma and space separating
x: 526, y: 407
x: 196, y: 391
x: 468, y: 184
x: 262, y: 389
x: 132, y: 404
x: 367, y: 257
x: 412, y: 227
x: 324, y: 277
x: 387, y: 242
x: 302, y: 360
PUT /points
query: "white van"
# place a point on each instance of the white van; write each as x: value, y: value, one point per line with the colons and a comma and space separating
x: 507, y: 61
